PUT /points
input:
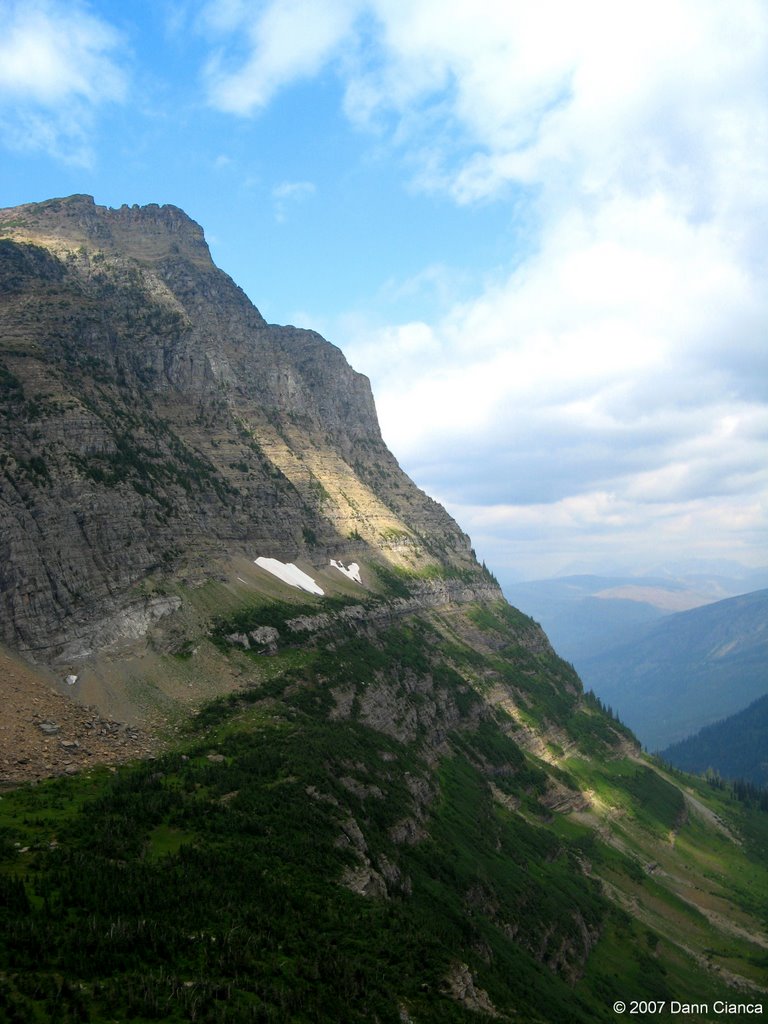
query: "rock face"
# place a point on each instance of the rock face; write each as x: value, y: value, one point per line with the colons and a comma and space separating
x: 152, y: 425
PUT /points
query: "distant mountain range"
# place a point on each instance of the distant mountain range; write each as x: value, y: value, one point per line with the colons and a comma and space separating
x: 669, y: 653
x: 737, y: 747
x: 585, y: 614
x: 687, y: 670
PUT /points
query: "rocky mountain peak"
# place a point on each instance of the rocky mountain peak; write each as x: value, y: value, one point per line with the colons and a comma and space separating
x: 145, y: 233
x: 154, y: 427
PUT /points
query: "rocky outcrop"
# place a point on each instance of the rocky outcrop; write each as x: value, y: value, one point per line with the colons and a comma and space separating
x: 153, y: 425
x: 460, y: 984
x: 435, y: 594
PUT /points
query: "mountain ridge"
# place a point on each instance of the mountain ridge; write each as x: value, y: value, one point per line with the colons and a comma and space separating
x: 377, y: 795
x: 688, y: 670
x: 734, y: 748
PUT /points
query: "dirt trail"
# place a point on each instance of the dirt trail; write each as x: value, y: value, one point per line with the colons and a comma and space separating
x: 709, y: 816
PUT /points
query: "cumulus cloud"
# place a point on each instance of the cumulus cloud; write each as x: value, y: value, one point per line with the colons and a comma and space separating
x: 609, y: 387
x: 57, y: 65
x: 601, y: 531
x: 288, y: 39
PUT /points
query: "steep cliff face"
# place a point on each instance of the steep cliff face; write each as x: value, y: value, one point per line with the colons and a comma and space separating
x: 152, y: 424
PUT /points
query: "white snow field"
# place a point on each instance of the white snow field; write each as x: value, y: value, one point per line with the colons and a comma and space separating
x: 290, y: 574
x: 352, y: 571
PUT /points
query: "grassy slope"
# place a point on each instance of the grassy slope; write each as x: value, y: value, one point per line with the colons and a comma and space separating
x: 205, y: 885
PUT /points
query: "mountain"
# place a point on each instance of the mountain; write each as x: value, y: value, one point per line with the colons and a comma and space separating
x: 735, y: 748
x: 587, y: 614
x: 155, y: 425
x: 687, y: 671
x: 583, y: 615
x: 294, y: 756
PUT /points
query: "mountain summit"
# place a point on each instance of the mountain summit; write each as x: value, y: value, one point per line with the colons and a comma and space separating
x: 359, y: 785
x: 156, y: 427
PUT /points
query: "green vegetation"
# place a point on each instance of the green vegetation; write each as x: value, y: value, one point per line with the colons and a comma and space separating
x: 11, y: 388
x: 138, y: 906
x: 736, y: 748
x: 501, y: 617
x: 277, y: 614
x: 14, y: 224
x: 209, y: 885
x: 637, y: 790
x: 318, y: 493
x: 394, y: 581
x: 168, y: 461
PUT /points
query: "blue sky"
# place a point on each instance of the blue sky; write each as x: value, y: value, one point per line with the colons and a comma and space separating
x: 539, y: 228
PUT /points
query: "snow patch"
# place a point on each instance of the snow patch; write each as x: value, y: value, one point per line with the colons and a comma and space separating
x: 290, y: 574
x: 352, y: 571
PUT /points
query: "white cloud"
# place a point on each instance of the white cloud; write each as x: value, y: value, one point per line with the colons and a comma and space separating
x: 289, y: 192
x: 49, y: 55
x: 289, y: 39
x: 583, y: 97
x: 615, y: 377
x: 600, y: 529
x: 57, y: 65
x: 226, y: 15
x: 293, y: 190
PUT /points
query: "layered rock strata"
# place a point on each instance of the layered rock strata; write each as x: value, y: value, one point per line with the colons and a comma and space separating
x: 153, y: 425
